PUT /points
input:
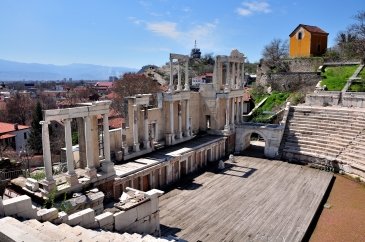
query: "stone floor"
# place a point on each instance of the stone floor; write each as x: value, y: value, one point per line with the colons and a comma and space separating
x: 252, y: 200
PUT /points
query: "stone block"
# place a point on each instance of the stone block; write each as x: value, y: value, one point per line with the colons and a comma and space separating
x: 105, y: 221
x: 124, y: 218
x: 16, y: 205
x: 108, y: 167
x: 32, y: 184
x: 144, y: 210
x: 84, y: 218
x: 28, y: 214
x: 47, y: 214
x: 62, y: 218
x: 154, y: 195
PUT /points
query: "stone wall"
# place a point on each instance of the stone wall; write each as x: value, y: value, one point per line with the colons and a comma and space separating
x: 323, y: 98
x: 299, y: 81
x: 354, y: 99
x: 141, y: 218
x: 304, y: 64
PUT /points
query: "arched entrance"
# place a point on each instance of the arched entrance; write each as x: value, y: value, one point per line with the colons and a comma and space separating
x: 254, y: 144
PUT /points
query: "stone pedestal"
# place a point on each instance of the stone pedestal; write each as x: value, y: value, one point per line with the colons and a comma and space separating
x: 125, y: 150
x: 72, y: 179
x: 146, y: 144
x: 90, y: 172
x: 48, y: 186
x: 136, y: 147
x: 108, y: 167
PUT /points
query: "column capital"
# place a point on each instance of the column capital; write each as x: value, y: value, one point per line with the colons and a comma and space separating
x: 44, y: 122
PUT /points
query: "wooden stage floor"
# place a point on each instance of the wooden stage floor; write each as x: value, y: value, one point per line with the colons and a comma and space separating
x: 251, y: 200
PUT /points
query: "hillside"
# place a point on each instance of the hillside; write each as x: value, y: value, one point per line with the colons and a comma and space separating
x: 11, y: 71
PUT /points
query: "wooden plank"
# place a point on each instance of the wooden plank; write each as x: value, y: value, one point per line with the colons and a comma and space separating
x: 254, y: 199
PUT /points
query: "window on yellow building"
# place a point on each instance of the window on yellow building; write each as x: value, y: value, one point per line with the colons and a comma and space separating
x: 300, y: 35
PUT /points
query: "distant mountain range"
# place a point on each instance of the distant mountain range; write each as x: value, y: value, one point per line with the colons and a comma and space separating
x: 12, y: 71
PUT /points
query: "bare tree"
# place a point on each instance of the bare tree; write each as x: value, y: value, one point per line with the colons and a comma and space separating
x: 351, y: 42
x: 274, y: 53
x: 132, y: 84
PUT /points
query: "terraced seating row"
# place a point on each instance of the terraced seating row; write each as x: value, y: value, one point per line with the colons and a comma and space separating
x: 321, y: 132
x: 354, y: 154
x: 12, y: 229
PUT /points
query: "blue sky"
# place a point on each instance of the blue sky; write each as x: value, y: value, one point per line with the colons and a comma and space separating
x: 135, y: 33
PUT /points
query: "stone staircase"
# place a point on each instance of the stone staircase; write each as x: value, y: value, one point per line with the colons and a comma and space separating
x: 331, y: 134
x: 12, y: 229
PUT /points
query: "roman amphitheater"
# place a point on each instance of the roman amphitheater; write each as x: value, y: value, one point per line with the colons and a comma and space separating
x: 183, y: 170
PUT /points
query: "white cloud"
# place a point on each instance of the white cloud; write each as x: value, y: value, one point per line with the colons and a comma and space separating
x: 252, y: 7
x: 167, y: 29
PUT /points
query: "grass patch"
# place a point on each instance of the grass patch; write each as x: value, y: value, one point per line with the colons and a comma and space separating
x: 335, y: 78
x: 38, y: 175
x: 357, y: 87
x: 272, y: 104
x: 258, y: 94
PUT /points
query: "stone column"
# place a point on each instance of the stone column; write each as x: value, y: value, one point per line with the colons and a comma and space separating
x: 187, y: 86
x: 172, y: 132
x: 238, y: 109
x: 232, y: 111
x: 241, y: 118
x: 171, y: 85
x: 178, y: 88
x: 71, y: 175
x: 107, y: 165
x: 106, y: 137
x: 243, y: 73
x: 238, y: 75
x: 226, y: 126
x: 146, y: 141
x: 187, y: 122
x: 228, y: 73
x: 47, y: 159
x: 233, y: 75
x: 90, y: 169
x: 179, y: 134
x: 135, y: 128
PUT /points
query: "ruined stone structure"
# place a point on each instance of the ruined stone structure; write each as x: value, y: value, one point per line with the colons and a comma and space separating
x: 179, y: 116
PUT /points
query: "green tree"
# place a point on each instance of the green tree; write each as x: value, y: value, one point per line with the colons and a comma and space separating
x: 35, y: 137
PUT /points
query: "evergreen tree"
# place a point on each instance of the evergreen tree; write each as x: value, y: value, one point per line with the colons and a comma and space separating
x: 35, y: 137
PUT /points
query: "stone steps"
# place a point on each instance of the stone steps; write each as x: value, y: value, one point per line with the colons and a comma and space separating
x: 338, y: 140
x: 32, y: 230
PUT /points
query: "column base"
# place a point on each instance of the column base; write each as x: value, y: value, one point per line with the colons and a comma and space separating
x: 171, y: 89
x: 179, y: 135
x: 187, y: 133
x: 108, y: 167
x: 227, y: 127
x: 178, y: 88
x: 125, y: 150
x: 72, y: 179
x: 146, y: 144
x: 136, y: 147
x: 90, y: 172
x: 48, y: 185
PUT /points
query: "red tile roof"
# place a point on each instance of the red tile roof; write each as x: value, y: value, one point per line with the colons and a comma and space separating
x: 104, y: 84
x: 8, y: 127
x: 309, y: 28
x: 6, y: 136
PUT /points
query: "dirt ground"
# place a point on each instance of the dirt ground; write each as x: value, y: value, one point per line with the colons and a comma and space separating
x: 345, y: 219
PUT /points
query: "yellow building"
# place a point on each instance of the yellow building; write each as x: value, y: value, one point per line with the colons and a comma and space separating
x: 306, y: 41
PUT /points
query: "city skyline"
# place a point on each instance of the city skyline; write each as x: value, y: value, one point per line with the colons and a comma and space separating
x: 137, y: 33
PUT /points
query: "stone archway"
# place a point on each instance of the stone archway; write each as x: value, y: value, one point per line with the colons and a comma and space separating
x: 270, y: 133
x: 255, y: 142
